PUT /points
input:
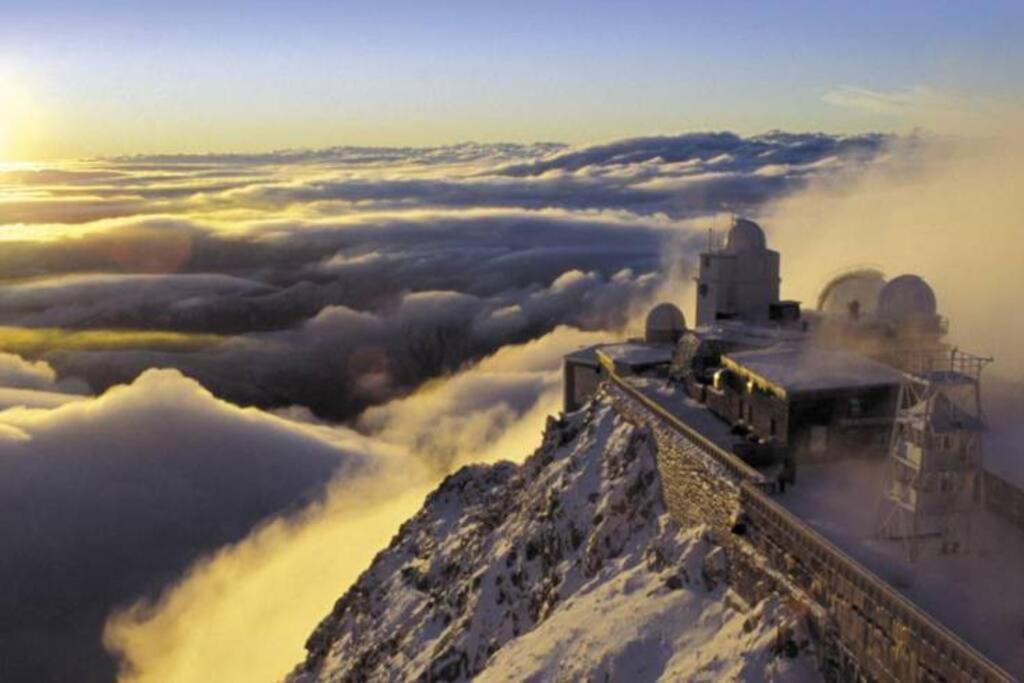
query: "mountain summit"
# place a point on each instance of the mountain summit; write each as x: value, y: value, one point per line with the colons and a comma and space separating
x: 567, y: 567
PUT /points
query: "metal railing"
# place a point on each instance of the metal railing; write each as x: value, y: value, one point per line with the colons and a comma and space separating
x: 927, y: 360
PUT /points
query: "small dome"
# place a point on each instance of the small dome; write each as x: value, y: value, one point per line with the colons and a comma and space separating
x: 745, y: 235
x: 905, y: 298
x: 853, y: 291
x: 665, y: 324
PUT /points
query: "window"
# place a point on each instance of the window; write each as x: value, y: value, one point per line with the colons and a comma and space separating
x: 856, y: 407
x: 702, y: 289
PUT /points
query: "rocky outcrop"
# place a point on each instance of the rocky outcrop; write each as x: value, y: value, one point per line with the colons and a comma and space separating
x: 569, y: 560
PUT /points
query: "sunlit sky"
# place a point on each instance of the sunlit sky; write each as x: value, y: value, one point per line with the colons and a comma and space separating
x: 88, y: 77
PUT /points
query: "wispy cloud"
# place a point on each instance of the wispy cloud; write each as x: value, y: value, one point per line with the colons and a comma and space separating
x: 890, y: 102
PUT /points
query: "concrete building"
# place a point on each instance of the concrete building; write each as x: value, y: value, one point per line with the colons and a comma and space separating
x: 584, y: 370
x: 740, y: 280
x: 699, y: 352
x: 815, y: 403
x: 581, y: 375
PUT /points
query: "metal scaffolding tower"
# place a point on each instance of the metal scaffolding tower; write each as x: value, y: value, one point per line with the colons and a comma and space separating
x: 934, y: 474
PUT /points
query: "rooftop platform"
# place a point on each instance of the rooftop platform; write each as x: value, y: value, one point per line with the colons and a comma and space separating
x: 637, y: 354
x: 796, y: 369
x: 748, y: 334
x: 585, y: 356
x: 978, y: 595
x: 631, y: 354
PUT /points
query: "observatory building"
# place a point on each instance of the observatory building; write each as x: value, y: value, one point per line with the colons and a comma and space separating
x: 865, y: 375
x: 585, y: 369
x: 739, y: 280
x: 817, y: 403
x: 852, y: 294
x: 820, y: 386
x: 890, y: 321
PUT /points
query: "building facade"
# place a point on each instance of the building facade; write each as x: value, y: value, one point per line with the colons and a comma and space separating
x: 740, y: 280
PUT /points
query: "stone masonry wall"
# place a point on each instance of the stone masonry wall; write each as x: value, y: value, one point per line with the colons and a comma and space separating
x: 697, y: 491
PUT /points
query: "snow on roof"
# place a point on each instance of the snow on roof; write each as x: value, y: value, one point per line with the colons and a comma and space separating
x: 633, y: 354
x: 968, y: 593
x: 585, y: 356
x: 793, y: 369
x: 747, y: 334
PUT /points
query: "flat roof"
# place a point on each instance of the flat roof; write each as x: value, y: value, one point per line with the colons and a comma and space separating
x: 634, y: 354
x: 584, y: 356
x: 793, y: 369
x: 748, y: 334
x: 976, y: 594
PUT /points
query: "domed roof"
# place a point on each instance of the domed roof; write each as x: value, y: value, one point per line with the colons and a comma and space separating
x: 861, y: 286
x: 907, y: 297
x: 665, y: 324
x: 745, y: 235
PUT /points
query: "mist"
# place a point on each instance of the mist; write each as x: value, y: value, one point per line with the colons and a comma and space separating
x: 946, y: 208
x: 245, y: 612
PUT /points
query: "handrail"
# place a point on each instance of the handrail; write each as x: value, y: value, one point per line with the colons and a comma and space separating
x: 750, y: 484
x: 741, y: 470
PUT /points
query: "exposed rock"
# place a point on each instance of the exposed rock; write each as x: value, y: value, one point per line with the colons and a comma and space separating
x: 499, y: 551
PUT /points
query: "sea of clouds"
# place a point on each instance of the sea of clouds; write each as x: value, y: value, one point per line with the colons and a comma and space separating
x: 237, y: 374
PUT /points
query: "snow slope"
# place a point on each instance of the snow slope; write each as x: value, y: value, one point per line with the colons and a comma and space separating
x: 565, y: 568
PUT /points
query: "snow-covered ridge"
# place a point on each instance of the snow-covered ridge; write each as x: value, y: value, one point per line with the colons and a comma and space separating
x: 567, y: 567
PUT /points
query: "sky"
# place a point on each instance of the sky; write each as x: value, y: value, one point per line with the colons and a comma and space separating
x: 97, y: 77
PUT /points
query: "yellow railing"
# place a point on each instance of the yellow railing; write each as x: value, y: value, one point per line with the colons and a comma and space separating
x: 739, y: 470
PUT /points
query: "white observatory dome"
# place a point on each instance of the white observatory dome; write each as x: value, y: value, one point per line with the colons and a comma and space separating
x: 665, y: 324
x: 745, y: 235
x: 861, y: 286
x: 905, y: 298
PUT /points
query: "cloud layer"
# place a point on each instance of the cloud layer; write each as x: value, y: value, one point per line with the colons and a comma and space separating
x: 423, y: 295
x: 265, y: 251
x: 110, y: 497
